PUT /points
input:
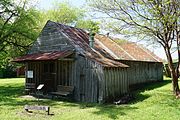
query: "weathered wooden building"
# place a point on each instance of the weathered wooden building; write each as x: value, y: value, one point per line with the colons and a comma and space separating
x: 144, y: 66
x: 99, y: 69
x: 63, y: 55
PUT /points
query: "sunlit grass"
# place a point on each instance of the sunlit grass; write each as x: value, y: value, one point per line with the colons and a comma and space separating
x: 153, y: 102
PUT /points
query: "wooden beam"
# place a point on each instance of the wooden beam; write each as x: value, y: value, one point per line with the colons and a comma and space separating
x: 66, y: 59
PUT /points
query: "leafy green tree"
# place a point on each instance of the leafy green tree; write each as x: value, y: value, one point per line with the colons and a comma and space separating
x: 65, y: 13
x: 17, y: 25
x: 88, y: 25
x: 154, y: 20
x: 18, y: 29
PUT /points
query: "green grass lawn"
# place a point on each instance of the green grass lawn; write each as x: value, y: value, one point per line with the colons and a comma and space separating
x: 153, y: 102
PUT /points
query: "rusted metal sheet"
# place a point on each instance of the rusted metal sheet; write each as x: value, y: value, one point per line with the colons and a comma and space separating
x: 80, y: 40
x: 58, y: 37
x: 127, y: 50
x: 44, y: 56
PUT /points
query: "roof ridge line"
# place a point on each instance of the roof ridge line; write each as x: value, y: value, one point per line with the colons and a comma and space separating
x: 73, y: 27
x: 122, y: 49
x: 106, y: 48
x: 67, y: 36
x: 148, y: 53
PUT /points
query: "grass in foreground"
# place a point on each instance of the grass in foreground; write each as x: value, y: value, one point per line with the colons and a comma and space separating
x: 153, y: 101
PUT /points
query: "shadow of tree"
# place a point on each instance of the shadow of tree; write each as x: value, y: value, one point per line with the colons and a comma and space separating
x: 10, y: 96
x: 109, y: 110
x: 148, y: 86
x: 112, y: 111
x: 10, y: 91
x: 137, y: 90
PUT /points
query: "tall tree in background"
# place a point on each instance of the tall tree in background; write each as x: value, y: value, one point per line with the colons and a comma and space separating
x: 89, y: 25
x: 17, y: 24
x: 65, y: 13
x: 18, y: 28
x: 155, y: 20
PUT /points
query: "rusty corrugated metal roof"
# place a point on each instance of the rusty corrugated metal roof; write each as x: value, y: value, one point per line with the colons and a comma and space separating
x: 80, y: 39
x: 138, y: 52
x: 128, y: 50
x: 44, y: 56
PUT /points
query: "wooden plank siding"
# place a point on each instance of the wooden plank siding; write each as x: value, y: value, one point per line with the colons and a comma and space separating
x: 51, y: 39
x: 36, y: 68
x: 93, y: 82
x: 116, y: 83
x: 87, y: 80
x: 141, y: 72
x: 83, y: 75
x: 65, y: 73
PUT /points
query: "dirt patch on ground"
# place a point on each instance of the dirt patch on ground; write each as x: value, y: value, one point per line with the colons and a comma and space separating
x: 28, y: 97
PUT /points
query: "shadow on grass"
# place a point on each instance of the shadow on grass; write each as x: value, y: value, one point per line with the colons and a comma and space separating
x: 137, y: 90
x: 109, y: 110
x: 9, y: 93
x: 9, y: 97
x: 148, y: 86
x: 113, y: 111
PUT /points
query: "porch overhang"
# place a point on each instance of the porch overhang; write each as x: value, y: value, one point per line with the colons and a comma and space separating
x: 46, y: 56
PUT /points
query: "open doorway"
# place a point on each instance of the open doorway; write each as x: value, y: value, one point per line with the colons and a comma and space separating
x: 48, y: 76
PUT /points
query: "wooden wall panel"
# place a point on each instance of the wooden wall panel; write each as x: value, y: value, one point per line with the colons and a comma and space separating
x: 141, y: 72
x: 116, y: 83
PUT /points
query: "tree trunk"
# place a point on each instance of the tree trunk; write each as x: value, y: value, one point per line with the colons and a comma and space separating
x: 175, y: 83
x: 174, y: 74
x: 178, y: 48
